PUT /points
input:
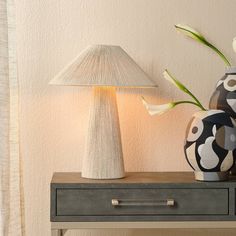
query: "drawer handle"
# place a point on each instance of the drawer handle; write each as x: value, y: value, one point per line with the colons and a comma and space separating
x: 134, y: 202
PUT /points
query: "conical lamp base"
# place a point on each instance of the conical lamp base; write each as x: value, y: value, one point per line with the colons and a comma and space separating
x: 103, y: 155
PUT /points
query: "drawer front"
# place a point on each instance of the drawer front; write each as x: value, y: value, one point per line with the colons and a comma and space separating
x: 122, y: 202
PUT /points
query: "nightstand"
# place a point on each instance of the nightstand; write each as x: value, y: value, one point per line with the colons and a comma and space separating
x: 141, y: 200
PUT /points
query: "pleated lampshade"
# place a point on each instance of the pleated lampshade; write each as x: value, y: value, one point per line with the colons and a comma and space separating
x: 103, y: 65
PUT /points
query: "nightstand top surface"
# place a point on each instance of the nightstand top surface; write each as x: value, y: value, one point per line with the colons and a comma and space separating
x: 131, y: 178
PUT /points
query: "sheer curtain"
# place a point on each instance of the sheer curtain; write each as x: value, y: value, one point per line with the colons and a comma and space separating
x: 11, y: 201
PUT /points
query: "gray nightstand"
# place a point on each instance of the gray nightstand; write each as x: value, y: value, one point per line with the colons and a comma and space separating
x: 141, y: 200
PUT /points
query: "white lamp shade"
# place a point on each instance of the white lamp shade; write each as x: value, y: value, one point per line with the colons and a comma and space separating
x: 103, y: 65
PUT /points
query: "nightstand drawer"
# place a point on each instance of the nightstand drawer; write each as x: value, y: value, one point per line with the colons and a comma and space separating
x: 125, y: 202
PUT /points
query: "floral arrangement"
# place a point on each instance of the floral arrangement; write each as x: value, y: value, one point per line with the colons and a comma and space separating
x: 160, y: 109
x: 198, y: 37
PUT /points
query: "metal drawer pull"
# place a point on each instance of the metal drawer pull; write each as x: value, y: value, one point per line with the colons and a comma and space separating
x: 133, y: 202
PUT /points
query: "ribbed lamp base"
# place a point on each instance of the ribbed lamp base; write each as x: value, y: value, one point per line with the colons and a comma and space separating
x: 103, y: 154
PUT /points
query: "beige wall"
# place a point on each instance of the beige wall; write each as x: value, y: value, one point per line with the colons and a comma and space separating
x: 54, y: 119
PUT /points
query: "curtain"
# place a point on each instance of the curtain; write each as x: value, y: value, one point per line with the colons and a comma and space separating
x: 11, y: 200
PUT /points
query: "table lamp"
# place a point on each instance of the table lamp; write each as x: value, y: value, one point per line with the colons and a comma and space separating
x: 103, y: 67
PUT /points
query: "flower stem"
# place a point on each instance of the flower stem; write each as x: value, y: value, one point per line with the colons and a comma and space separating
x: 190, y: 102
x: 183, y: 88
x: 197, y: 101
x: 218, y: 52
x: 200, y: 38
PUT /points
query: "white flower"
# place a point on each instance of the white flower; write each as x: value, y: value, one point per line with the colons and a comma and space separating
x: 157, y: 109
x: 192, y: 33
x: 171, y: 79
x: 234, y: 44
x: 160, y: 109
x: 179, y: 85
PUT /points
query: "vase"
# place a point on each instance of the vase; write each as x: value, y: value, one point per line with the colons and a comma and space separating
x: 224, y: 96
x: 210, y: 145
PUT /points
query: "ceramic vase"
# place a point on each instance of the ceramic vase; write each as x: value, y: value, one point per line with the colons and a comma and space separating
x: 224, y: 96
x: 210, y: 145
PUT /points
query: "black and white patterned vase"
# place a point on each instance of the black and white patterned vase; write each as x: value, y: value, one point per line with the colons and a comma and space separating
x: 210, y: 144
x: 224, y: 96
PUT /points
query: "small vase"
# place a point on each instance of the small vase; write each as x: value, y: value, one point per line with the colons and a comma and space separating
x: 224, y: 96
x: 210, y: 145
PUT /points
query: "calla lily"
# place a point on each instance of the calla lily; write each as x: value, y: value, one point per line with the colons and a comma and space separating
x: 234, y: 44
x: 162, y: 108
x: 157, y: 109
x: 179, y: 85
x: 192, y: 33
x: 174, y: 81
